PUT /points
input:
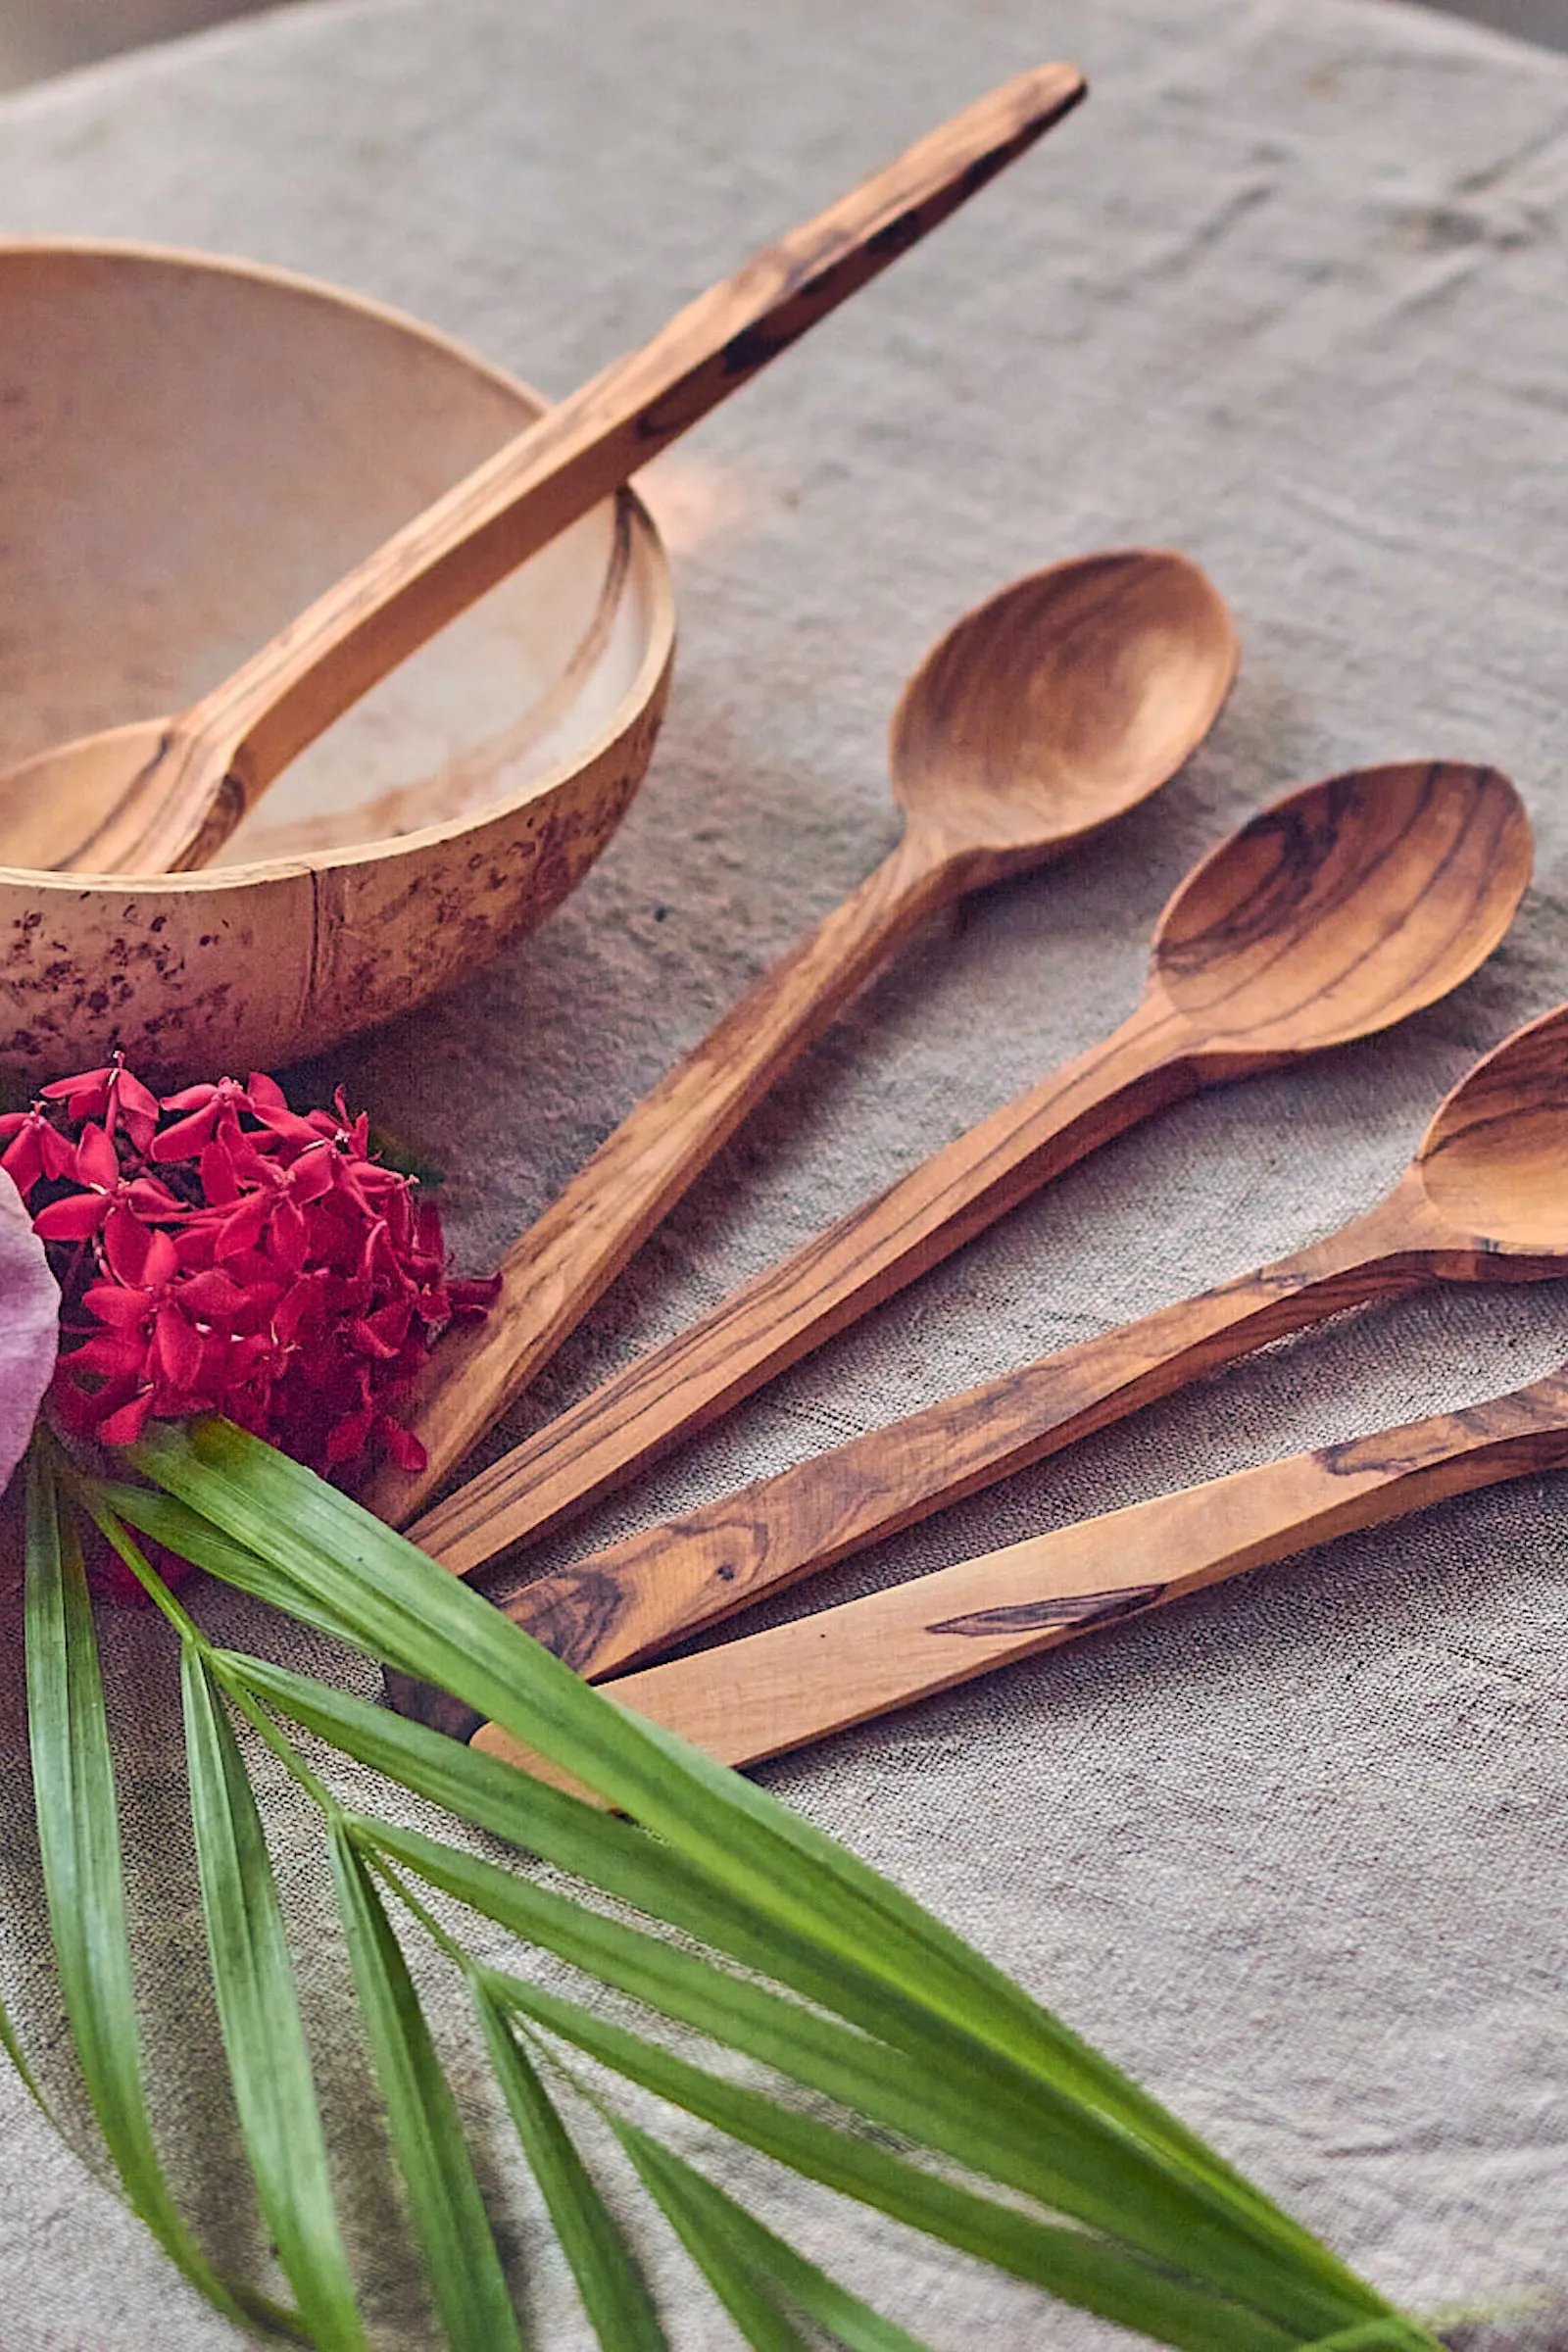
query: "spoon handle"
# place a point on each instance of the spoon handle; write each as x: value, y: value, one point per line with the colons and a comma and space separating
x: 571, y: 1254
x: 795, y: 1306
x: 774, y: 1690
x: 637, y: 1598
x: 576, y: 454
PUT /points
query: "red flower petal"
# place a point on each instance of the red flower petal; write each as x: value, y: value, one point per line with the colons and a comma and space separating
x: 242, y: 1228
x: 124, y: 1427
x: 346, y: 1439
x: 126, y: 1242
x: 179, y: 1345
x: 213, y: 1294
x: 188, y: 1137
x: 150, y: 1199
x: 23, y: 1158
x: 97, y: 1162
x: 403, y: 1447
x: 112, y: 1354
x: 120, y: 1308
x: 161, y: 1261
x: 70, y: 1220
x: 219, y: 1181
x: 58, y: 1156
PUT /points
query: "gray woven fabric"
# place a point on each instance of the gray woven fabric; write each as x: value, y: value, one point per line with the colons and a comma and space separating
x: 1288, y: 294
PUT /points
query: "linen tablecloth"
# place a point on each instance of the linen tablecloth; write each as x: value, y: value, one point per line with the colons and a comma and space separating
x: 1288, y: 294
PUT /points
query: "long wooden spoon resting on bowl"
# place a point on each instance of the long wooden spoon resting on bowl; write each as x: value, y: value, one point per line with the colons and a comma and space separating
x: 1485, y: 1200
x: 1329, y: 916
x: 1042, y: 716
x: 165, y: 794
x: 778, y: 1689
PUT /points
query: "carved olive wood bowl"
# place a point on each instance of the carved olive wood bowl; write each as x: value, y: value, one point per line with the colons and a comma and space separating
x: 190, y: 450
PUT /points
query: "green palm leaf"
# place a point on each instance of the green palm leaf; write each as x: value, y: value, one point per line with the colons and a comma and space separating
x: 1123, y: 2164
x: 1084, y: 2270
x: 809, y: 1964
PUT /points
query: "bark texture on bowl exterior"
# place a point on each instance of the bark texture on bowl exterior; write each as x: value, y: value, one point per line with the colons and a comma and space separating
x: 190, y: 448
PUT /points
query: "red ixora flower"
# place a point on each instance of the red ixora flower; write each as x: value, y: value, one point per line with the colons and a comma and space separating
x: 219, y: 1252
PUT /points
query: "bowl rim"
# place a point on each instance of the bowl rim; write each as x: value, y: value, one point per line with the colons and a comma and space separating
x: 644, y: 691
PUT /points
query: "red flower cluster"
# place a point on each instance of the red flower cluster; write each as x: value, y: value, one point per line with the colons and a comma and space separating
x: 217, y: 1253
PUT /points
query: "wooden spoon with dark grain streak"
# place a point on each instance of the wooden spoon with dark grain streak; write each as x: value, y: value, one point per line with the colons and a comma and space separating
x: 1331, y: 915
x: 1485, y: 1200
x: 163, y: 795
x: 793, y: 1684
x: 1043, y: 714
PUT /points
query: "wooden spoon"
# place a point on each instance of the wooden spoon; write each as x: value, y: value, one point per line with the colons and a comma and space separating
x: 1042, y: 716
x: 163, y: 795
x: 1329, y: 916
x: 778, y: 1689
x: 1485, y: 1200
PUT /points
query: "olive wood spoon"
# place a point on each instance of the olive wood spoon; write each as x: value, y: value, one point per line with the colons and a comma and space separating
x: 795, y: 1683
x: 1482, y: 1202
x: 1041, y: 717
x: 1486, y: 1200
x: 163, y: 795
x: 1331, y: 915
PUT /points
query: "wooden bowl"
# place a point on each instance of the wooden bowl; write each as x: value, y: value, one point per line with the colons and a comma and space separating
x: 191, y: 449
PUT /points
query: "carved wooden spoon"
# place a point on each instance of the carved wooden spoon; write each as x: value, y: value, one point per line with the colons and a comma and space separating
x: 1044, y: 714
x: 1485, y: 1200
x: 795, y: 1683
x: 163, y: 795
x: 1329, y: 916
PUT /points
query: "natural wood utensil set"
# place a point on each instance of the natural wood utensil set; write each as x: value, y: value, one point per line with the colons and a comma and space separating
x: 1331, y: 915
x: 1044, y: 714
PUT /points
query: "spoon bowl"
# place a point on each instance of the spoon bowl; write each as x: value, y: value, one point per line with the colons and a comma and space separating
x: 56, y: 799
x: 987, y: 790
x: 1340, y: 909
x: 1060, y: 703
x: 1346, y: 907
x: 1493, y: 1163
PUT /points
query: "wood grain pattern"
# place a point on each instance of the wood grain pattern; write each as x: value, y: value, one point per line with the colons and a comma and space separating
x: 1330, y: 915
x: 793, y: 1684
x: 167, y: 794
x: 1044, y: 714
x: 628, y: 1603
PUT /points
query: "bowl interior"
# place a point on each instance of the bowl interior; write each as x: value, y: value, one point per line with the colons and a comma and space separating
x: 191, y: 450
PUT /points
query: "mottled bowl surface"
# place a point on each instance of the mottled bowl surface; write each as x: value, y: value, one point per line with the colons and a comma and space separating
x: 190, y: 450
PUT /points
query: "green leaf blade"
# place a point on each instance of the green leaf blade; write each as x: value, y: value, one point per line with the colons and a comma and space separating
x: 78, y: 1837
x: 728, y: 2242
x: 744, y: 2289
x: 448, y: 2212
x: 613, y: 2292
x: 1078, y: 2267
x: 258, y: 2011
